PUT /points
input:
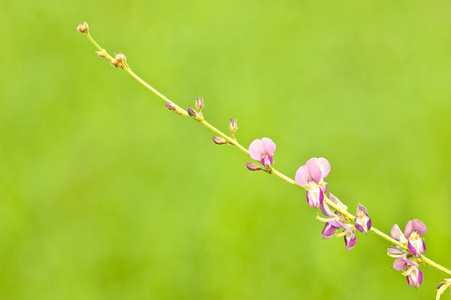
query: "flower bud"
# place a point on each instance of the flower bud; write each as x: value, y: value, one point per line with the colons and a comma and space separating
x: 362, y: 220
x: 192, y: 113
x: 83, y: 28
x: 219, y: 140
x: 199, y: 104
x: 119, y: 61
x: 233, y: 126
x: 170, y: 106
x: 396, y: 252
x: 253, y: 167
x: 121, y: 58
x: 101, y: 54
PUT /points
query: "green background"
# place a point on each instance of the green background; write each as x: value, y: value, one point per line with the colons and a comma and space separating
x: 105, y: 194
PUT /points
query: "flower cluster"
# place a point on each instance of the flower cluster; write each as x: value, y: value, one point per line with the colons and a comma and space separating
x: 411, y: 241
x: 338, y: 220
x: 348, y: 232
x: 311, y: 177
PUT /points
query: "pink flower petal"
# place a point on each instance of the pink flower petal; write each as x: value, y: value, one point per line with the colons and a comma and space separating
x: 419, y: 226
x: 408, y: 230
x: 314, y: 170
x: 420, y: 278
x: 268, y: 146
x: 267, y: 161
x: 325, y: 209
x: 256, y: 149
x: 302, y: 176
x: 350, y: 240
x: 324, y: 166
x: 328, y: 231
x: 401, y: 263
x: 315, y: 197
x: 396, y: 232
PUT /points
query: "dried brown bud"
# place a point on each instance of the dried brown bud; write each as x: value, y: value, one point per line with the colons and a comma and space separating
x: 233, y: 126
x: 101, y: 54
x: 83, y: 28
x: 121, y: 58
x: 253, y: 167
x: 219, y: 140
x: 199, y: 104
x: 119, y: 61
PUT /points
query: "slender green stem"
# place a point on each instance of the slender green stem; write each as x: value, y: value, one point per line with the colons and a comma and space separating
x: 233, y: 141
x: 98, y: 46
x: 286, y: 178
x: 129, y: 71
x: 388, y: 238
x: 435, y: 265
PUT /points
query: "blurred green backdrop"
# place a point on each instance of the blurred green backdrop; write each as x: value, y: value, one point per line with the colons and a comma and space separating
x: 104, y: 194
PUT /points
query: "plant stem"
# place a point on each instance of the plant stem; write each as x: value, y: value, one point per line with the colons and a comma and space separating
x: 232, y: 141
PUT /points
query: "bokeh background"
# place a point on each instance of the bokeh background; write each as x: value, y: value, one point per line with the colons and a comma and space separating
x: 105, y: 194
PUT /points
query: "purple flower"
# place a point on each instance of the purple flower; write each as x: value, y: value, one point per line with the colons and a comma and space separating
x: 412, y: 233
x: 348, y: 233
x: 412, y: 271
x: 263, y: 151
x: 362, y: 220
x: 312, y: 175
x: 330, y: 227
x: 350, y: 238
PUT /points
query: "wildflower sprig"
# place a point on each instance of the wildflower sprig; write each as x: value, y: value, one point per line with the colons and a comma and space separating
x: 409, y: 247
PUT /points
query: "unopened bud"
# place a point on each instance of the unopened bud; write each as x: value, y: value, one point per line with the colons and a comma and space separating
x: 233, y: 126
x: 394, y: 251
x: 192, y: 113
x: 170, y: 106
x: 219, y: 140
x: 83, y: 28
x: 253, y: 167
x: 101, y: 54
x: 199, y: 104
x: 119, y: 61
x: 121, y: 58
